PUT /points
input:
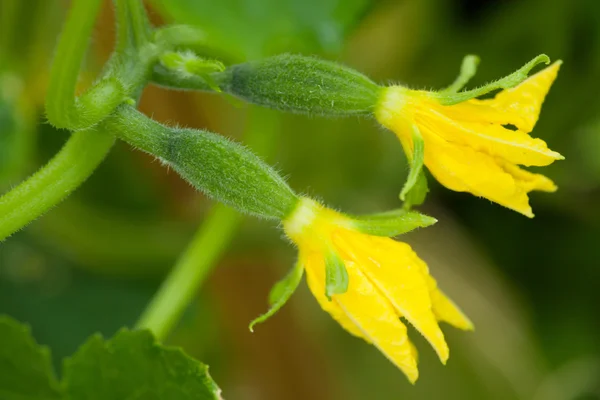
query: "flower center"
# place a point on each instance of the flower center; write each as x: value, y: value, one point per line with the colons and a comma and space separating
x: 390, y: 103
x: 310, y: 225
x: 302, y: 217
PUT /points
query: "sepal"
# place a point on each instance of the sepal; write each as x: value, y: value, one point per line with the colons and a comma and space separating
x: 336, y: 276
x: 416, y: 196
x: 391, y: 223
x: 468, y: 69
x: 187, y: 65
x: 280, y: 294
x: 416, y: 163
x: 448, y: 98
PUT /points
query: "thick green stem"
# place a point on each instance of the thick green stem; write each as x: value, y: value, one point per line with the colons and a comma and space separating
x: 87, y: 147
x: 127, y: 72
x: 55, y: 181
x: 124, y: 35
x: 142, y: 31
x: 207, y: 246
x: 133, y: 28
x: 61, y: 104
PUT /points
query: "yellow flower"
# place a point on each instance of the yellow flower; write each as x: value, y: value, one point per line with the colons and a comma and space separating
x: 476, y: 145
x: 387, y: 281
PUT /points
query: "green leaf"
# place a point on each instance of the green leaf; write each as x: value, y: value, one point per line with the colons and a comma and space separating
x: 280, y: 294
x: 416, y: 163
x: 391, y: 223
x: 264, y: 27
x: 336, y: 276
x: 25, y: 367
x: 130, y: 366
x: 133, y: 366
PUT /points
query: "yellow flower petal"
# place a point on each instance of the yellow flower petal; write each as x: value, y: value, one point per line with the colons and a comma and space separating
x: 514, y: 146
x: 331, y: 307
x: 469, y: 146
x: 397, y: 272
x: 445, y: 309
x: 522, y: 104
x: 463, y: 169
x: 528, y: 181
x: 367, y: 310
x: 387, y: 281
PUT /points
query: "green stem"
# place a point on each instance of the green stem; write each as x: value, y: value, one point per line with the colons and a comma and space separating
x: 124, y: 38
x: 140, y: 25
x: 180, y: 287
x: 133, y: 28
x: 61, y: 106
x: 55, y: 181
x: 87, y: 147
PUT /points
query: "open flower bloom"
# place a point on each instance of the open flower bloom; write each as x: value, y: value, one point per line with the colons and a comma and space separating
x: 385, y: 281
x: 474, y: 145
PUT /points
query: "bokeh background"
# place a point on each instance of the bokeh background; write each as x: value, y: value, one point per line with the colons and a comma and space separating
x: 532, y: 287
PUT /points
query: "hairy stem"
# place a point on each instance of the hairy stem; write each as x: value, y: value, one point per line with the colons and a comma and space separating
x: 61, y: 105
x: 142, y: 30
x: 193, y: 267
x: 124, y: 35
x: 55, y: 181
x: 87, y: 147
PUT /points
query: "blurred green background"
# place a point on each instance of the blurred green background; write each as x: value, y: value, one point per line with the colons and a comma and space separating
x: 532, y: 287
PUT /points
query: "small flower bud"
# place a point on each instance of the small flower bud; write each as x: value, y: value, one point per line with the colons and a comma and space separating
x: 224, y: 170
x: 302, y: 85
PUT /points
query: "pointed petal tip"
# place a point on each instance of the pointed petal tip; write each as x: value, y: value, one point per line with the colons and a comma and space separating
x: 467, y: 326
x: 524, y: 210
x: 442, y: 350
x: 551, y: 189
x: 412, y: 376
x: 444, y: 356
x: 470, y: 326
x: 463, y: 323
x: 552, y: 69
